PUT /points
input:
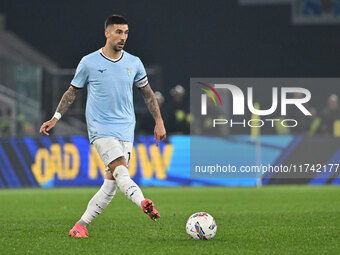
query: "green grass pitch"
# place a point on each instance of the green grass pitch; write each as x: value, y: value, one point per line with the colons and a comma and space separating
x: 268, y: 220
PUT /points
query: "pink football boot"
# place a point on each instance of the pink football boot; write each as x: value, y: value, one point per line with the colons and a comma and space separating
x: 79, y: 231
x: 148, y: 207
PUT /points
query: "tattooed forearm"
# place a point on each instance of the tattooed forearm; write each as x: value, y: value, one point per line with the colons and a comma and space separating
x: 67, y: 99
x: 151, y: 102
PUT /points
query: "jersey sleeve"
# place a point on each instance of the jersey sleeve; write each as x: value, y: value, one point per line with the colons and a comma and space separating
x: 81, y: 76
x: 141, y: 79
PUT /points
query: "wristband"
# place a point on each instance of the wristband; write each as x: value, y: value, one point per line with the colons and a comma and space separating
x: 57, y: 115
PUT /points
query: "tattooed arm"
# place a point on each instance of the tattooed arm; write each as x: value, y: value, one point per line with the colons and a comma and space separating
x: 67, y: 99
x: 151, y: 102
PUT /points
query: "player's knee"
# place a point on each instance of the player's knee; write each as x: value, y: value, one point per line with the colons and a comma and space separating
x: 121, y: 172
x: 117, y: 162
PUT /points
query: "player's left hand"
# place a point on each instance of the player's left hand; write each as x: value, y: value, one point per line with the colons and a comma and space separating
x: 159, y: 132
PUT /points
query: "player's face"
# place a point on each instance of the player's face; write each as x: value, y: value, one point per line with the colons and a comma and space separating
x: 117, y: 36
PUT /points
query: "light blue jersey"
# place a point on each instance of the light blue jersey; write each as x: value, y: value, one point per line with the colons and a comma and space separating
x: 109, y: 106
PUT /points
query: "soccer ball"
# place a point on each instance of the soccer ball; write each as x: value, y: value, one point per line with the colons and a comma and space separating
x: 201, y: 226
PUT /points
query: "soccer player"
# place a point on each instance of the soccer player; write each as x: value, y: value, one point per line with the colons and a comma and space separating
x: 109, y: 74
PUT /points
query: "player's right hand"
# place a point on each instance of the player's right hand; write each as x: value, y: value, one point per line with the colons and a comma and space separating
x: 48, y: 125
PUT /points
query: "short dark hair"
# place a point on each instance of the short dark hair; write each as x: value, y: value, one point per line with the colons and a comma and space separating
x: 115, y: 19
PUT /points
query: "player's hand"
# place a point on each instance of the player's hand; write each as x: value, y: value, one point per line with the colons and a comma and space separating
x: 48, y: 125
x: 159, y: 131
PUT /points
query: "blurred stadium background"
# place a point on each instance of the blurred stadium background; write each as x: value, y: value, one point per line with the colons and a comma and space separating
x: 41, y: 43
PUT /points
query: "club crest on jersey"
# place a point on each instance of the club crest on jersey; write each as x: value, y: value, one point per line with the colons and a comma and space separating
x: 129, y: 69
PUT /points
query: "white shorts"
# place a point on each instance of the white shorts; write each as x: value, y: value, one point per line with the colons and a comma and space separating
x: 110, y: 148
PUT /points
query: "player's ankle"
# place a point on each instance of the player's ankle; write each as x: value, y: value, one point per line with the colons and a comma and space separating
x: 83, y: 223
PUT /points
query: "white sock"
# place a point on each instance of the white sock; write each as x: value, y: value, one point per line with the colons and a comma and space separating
x: 99, y: 201
x: 129, y: 188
